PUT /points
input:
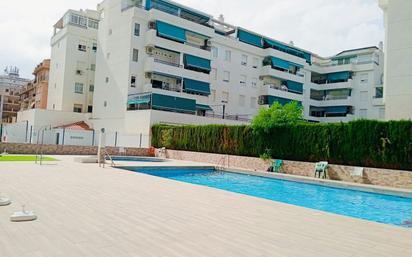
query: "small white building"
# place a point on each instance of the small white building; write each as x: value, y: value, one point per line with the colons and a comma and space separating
x: 398, y: 62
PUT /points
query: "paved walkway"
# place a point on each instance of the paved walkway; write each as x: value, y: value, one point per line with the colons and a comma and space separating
x: 88, y: 211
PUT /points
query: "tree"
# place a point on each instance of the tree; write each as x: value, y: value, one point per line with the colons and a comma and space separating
x: 277, y: 115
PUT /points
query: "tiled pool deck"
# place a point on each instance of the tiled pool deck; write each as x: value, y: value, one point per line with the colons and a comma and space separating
x: 84, y: 210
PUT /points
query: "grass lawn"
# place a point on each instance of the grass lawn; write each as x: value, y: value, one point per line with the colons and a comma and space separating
x: 23, y: 158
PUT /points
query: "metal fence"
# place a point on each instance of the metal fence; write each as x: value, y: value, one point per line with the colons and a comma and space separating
x: 24, y: 133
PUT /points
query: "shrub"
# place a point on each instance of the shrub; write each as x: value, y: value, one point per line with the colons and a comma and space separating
x: 360, y: 143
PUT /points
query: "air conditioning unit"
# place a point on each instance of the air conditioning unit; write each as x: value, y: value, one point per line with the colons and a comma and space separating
x: 149, y: 50
x: 208, y: 43
x: 79, y: 72
x: 148, y: 75
x: 152, y: 25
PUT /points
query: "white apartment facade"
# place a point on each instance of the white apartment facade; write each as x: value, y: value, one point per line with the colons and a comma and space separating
x: 160, y: 62
x: 398, y: 62
x: 179, y: 60
x: 73, y: 62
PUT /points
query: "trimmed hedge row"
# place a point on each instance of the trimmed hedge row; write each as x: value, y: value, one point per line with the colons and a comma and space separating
x: 360, y: 143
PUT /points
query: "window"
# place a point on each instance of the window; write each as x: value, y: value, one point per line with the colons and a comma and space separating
x: 133, y: 81
x: 254, y: 82
x: 243, y: 79
x: 54, y: 106
x: 94, y: 24
x: 78, y: 108
x: 228, y: 56
x: 110, y: 32
x: 363, y: 113
x: 215, y: 52
x: 213, y: 95
x: 137, y: 29
x: 89, y: 108
x: 94, y: 47
x: 379, y: 92
x: 364, y: 96
x: 105, y: 104
x: 214, y: 74
x: 78, y: 88
x: 81, y: 48
x: 226, y: 76
x: 107, y: 79
x: 242, y: 100
x: 108, y: 56
x: 135, y: 55
x: 225, y: 97
x: 91, y: 88
x: 92, y: 67
x: 255, y: 63
x: 253, y: 102
x: 244, y: 60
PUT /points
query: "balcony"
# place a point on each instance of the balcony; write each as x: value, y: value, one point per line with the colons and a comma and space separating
x: 155, y: 65
x: 332, y: 101
x: 279, y: 92
x: 153, y: 40
x: 269, y: 71
x: 330, y: 86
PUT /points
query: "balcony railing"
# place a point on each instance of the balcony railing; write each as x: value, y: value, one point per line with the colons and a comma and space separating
x: 167, y: 63
x: 131, y: 5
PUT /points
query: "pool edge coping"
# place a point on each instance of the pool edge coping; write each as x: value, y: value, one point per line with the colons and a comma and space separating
x: 400, y: 192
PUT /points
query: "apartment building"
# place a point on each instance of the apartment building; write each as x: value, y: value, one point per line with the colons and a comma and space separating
x: 172, y: 60
x: 10, y: 85
x: 34, y: 94
x: 73, y: 62
x: 398, y: 62
x: 134, y: 63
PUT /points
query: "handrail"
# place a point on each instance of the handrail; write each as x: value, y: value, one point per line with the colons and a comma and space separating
x: 110, y: 158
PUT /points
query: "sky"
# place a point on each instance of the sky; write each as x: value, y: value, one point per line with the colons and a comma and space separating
x: 325, y: 27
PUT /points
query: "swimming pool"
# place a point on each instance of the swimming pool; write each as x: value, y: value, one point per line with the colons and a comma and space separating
x: 369, y: 206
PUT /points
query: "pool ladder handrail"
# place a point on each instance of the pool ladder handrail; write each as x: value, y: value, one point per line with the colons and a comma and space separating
x: 221, y: 163
x: 106, y: 154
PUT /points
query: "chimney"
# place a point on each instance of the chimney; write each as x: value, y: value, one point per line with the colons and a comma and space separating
x: 291, y: 43
x: 221, y: 18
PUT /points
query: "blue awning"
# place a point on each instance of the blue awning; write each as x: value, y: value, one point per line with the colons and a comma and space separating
x: 338, y: 76
x: 162, y: 6
x: 295, y: 87
x: 197, y: 62
x: 203, y: 107
x: 172, y: 103
x: 170, y: 31
x: 173, y: 9
x: 280, y: 63
x: 250, y: 38
x: 287, y: 49
x: 198, y: 87
x: 337, y: 109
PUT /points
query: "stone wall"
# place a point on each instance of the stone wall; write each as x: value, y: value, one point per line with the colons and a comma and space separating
x: 373, y: 176
x: 68, y: 150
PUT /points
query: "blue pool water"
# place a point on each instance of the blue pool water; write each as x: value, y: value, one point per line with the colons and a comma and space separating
x: 369, y: 206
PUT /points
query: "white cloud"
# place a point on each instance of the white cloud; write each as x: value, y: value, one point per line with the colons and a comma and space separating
x: 325, y: 27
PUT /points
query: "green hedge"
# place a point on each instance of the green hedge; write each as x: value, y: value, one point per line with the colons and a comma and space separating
x: 360, y: 143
